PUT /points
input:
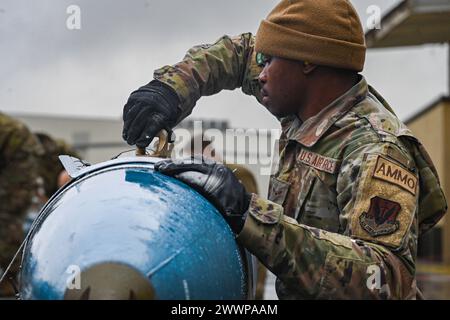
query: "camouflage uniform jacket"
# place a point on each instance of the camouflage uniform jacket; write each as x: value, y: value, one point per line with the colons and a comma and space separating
x: 353, y: 190
x: 19, y: 150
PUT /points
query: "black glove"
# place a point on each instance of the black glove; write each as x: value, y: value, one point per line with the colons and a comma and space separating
x: 215, y: 182
x: 149, y: 109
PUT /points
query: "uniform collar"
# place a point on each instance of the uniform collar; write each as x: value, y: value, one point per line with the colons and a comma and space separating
x: 309, y: 132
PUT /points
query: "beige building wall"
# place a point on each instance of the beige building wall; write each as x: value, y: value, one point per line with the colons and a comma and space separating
x: 432, y: 127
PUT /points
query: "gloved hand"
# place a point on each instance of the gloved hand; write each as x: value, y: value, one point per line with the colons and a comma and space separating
x: 215, y: 182
x: 149, y: 109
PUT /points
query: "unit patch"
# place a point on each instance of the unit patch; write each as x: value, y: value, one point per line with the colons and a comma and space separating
x: 381, y: 218
x: 317, y: 161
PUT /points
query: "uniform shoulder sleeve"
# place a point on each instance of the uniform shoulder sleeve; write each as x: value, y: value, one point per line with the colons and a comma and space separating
x: 207, y: 69
x: 378, y: 192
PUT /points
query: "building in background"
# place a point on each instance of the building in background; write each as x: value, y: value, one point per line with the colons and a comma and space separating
x: 432, y: 127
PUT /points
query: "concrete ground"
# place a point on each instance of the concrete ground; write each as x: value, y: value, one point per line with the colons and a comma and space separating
x: 434, y: 281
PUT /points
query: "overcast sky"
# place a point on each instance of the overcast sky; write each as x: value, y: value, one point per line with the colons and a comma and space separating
x: 47, y: 68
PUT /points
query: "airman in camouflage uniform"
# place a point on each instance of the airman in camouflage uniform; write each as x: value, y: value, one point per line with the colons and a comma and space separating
x: 317, y: 232
x: 353, y: 191
x: 19, y: 151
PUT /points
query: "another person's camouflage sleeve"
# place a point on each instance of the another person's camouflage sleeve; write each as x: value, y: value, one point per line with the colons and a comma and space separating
x: 368, y: 260
x: 18, y: 166
x: 19, y: 150
x: 207, y: 69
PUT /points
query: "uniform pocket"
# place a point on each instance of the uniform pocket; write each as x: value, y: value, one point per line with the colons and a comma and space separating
x: 305, y: 191
x: 278, y: 190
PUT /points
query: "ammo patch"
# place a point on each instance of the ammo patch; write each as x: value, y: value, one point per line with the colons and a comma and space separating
x: 393, y: 173
x: 318, y: 161
x: 381, y: 218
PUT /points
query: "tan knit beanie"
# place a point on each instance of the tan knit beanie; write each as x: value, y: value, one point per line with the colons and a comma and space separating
x: 323, y: 32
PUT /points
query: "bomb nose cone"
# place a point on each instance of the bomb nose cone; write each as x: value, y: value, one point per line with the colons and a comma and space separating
x: 128, y: 232
x: 110, y: 281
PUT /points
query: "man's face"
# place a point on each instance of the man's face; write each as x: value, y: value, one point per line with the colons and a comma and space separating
x: 282, y: 86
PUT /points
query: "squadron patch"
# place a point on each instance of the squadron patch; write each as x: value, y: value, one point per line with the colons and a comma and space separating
x: 381, y: 218
x: 317, y: 161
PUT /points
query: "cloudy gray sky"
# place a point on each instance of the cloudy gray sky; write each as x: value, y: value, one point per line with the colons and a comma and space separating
x: 47, y: 68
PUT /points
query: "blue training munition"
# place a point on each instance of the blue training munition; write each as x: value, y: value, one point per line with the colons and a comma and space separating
x: 120, y: 230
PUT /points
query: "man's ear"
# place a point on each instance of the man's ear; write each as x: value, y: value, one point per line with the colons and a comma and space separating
x: 308, y: 67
